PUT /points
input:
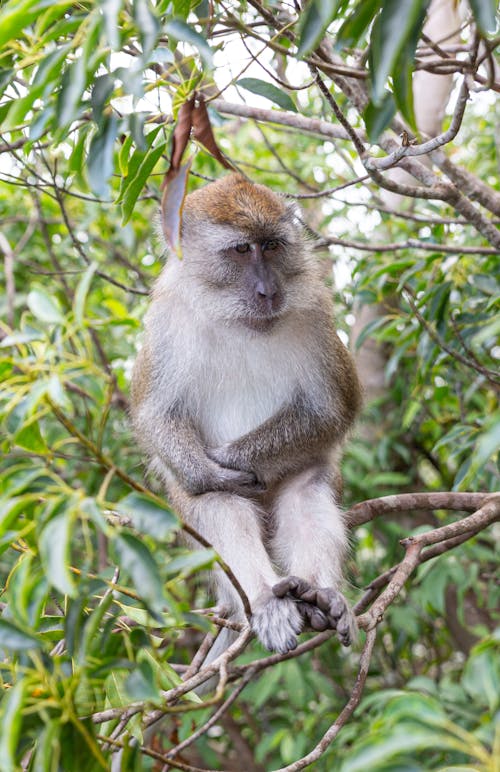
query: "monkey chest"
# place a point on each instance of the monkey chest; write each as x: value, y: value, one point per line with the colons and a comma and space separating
x: 238, y: 393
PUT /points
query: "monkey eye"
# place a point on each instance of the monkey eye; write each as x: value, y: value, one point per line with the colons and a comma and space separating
x: 242, y: 248
x: 270, y: 245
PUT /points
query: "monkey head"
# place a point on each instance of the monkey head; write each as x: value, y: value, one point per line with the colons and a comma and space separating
x: 244, y: 246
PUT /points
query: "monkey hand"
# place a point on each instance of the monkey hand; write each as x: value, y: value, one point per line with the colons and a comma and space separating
x: 322, y: 608
x: 276, y: 622
x: 238, y: 481
x: 215, y: 477
x: 224, y: 456
x: 245, y: 479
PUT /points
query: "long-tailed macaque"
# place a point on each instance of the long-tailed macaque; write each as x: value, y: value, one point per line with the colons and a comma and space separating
x: 241, y: 397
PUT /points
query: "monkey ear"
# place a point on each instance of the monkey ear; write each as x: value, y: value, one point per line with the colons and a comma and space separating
x: 294, y: 213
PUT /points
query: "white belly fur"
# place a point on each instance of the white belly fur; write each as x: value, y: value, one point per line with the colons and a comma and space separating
x: 246, y: 378
x: 229, y: 378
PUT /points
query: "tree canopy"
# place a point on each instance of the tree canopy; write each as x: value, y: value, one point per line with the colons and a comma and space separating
x: 381, y: 120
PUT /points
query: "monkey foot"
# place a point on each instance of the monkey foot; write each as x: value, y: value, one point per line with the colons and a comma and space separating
x: 321, y: 608
x: 277, y: 622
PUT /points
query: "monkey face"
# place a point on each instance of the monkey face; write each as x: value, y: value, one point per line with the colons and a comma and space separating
x: 261, y: 287
x: 243, y: 246
x: 250, y: 279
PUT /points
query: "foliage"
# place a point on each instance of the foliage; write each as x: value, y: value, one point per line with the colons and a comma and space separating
x: 98, y: 594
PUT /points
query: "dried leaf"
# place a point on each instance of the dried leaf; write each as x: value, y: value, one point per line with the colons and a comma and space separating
x: 192, y: 115
x: 202, y: 131
x: 181, y: 135
x: 172, y: 203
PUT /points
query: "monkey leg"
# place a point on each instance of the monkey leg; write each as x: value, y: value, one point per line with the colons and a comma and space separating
x: 231, y: 524
x: 309, y: 544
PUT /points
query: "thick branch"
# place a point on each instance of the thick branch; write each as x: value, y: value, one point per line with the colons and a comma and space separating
x: 292, y: 120
x: 432, y: 144
x: 411, y: 502
x: 489, y: 513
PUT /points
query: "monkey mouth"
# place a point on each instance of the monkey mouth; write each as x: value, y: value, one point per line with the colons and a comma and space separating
x: 260, y: 323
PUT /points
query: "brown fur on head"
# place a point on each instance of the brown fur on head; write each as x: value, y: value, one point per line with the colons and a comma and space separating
x: 234, y: 200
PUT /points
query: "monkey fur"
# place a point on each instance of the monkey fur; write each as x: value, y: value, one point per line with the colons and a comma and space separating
x: 241, y: 397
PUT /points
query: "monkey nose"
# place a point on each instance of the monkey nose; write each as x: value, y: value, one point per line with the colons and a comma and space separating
x: 267, y: 296
x: 265, y: 290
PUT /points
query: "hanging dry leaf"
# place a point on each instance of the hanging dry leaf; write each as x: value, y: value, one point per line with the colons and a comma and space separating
x: 192, y: 115
x: 202, y: 131
x: 172, y: 203
x: 180, y: 137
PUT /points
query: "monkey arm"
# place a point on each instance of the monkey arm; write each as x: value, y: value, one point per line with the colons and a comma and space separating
x: 304, y: 430
x: 168, y: 436
x: 281, y: 445
x: 177, y: 443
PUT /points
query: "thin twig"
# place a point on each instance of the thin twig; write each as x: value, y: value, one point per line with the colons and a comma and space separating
x: 346, y: 713
x: 214, y: 717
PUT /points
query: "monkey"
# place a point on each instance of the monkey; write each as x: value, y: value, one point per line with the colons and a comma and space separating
x: 241, y: 397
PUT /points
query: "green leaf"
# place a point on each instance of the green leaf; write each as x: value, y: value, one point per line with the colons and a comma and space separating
x: 148, y: 516
x: 378, y: 117
x: 481, y: 678
x: 314, y: 21
x: 91, y: 639
x: 131, y: 164
x: 413, y: 408
x: 141, y: 685
x: 6, y: 75
x: 136, y: 123
x: 487, y: 445
x: 81, y: 293
x: 181, y: 8
x: 100, y: 157
x: 12, y: 638
x: 269, y: 91
x: 40, y: 123
x: 123, y: 156
x: 390, y: 33
x: 403, y: 72
x: 47, y: 749
x: 110, y: 10
x: 21, y: 479
x: 196, y: 560
x: 18, y: 338
x: 11, y: 507
x: 70, y: 95
x: 19, y: 107
x: 357, y: 23
x: 485, y: 15
x: 10, y: 725
x: 377, y: 750
x: 148, y: 25
x: 138, y: 181
x: 389, y: 478
x: 102, y: 89
x: 489, y: 332
x: 420, y: 707
x: 45, y: 307
x: 179, y: 30
x: 137, y: 561
x: 30, y: 438
x: 50, y: 66
x: 54, y: 544
x: 16, y: 15
x: 55, y: 19
x: 165, y: 676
